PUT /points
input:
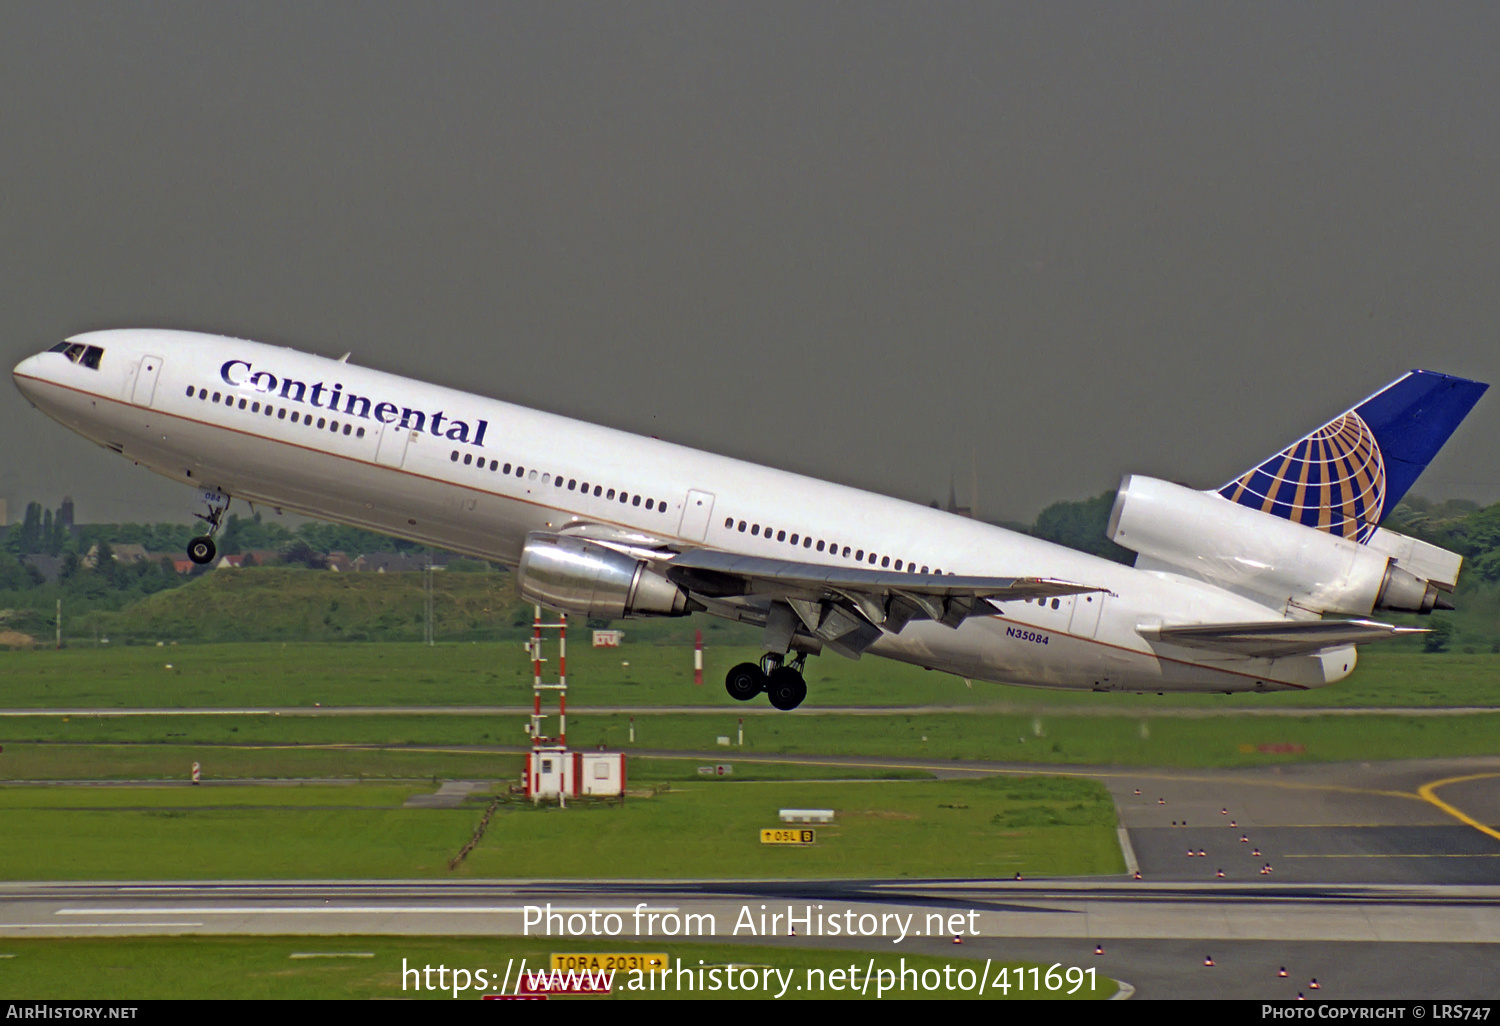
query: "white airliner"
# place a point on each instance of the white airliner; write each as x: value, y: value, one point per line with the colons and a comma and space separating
x: 1228, y: 591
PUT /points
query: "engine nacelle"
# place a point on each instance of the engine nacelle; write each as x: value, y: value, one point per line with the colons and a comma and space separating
x: 1245, y: 550
x: 578, y: 576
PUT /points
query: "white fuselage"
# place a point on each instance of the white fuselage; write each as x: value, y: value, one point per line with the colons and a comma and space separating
x: 475, y: 475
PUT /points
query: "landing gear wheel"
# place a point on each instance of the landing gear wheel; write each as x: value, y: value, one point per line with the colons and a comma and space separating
x: 786, y: 688
x: 744, y: 682
x: 202, y: 550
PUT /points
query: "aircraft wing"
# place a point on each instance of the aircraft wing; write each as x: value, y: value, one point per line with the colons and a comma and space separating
x: 848, y: 608
x: 1277, y: 638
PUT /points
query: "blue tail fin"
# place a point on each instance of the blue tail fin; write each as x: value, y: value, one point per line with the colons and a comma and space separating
x: 1344, y: 477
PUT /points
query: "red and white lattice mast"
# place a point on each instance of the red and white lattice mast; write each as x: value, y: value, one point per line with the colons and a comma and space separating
x: 540, y: 741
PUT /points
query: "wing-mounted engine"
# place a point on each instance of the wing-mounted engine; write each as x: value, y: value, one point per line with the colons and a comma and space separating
x: 580, y: 576
x: 1284, y: 564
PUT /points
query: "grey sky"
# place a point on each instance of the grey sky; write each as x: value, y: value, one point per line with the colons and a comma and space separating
x: 853, y: 240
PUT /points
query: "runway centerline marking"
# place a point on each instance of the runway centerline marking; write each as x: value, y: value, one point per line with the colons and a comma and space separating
x: 1426, y: 793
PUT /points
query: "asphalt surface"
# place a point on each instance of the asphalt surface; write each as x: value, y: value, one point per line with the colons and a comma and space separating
x: 1383, y: 882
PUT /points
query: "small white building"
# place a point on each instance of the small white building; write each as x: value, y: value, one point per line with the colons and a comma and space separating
x: 608, y: 639
x: 556, y: 772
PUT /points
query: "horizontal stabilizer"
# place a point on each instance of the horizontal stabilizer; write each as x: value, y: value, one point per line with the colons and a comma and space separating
x: 1277, y: 638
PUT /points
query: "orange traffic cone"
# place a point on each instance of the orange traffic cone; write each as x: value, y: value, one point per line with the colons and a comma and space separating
x: 957, y: 939
x: 1208, y: 960
x: 1221, y: 874
x: 1223, y: 812
x: 1281, y: 972
x: 1314, y: 984
x: 1098, y: 949
x: 1137, y: 874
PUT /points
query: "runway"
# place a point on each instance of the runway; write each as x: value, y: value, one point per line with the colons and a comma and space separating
x: 1383, y: 882
x: 1393, y: 942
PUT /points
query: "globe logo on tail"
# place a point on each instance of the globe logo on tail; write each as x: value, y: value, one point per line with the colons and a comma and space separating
x: 1332, y: 480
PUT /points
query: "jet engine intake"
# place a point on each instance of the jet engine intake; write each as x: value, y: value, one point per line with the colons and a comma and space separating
x: 577, y: 576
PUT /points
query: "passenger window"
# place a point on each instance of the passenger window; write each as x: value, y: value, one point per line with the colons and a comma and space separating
x: 242, y: 404
x: 505, y: 469
x: 453, y: 456
x: 624, y: 497
x: 557, y: 482
x: 820, y: 546
x: 294, y: 416
x: 322, y: 423
x: 611, y: 494
x: 348, y: 428
x: 255, y: 407
x: 531, y: 476
x: 520, y: 470
x: 190, y: 391
x: 898, y: 564
x: 781, y: 536
x: 494, y: 464
x: 807, y: 543
x: 597, y: 490
x: 572, y: 483
x: 360, y: 433
x: 872, y: 559
x: 333, y: 425
x: 635, y: 500
x: 924, y: 569
x: 468, y: 458
x: 754, y: 530
x: 202, y: 393
x: 860, y: 555
x: 216, y: 397
x: 584, y: 488
x: 268, y: 409
x: 742, y: 527
x: 1056, y: 603
x: 281, y: 413
x: 545, y: 478
x: 650, y: 504
x: 728, y: 522
x: 794, y: 538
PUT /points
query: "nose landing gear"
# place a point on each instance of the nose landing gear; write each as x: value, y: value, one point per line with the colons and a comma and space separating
x: 202, y: 550
x: 783, y: 684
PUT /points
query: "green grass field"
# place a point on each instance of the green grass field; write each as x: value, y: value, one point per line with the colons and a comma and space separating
x: 1053, y: 826
x: 219, y: 742
x: 499, y: 673
x: 371, y: 967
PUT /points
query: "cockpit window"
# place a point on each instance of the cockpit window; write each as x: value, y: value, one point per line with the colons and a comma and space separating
x: 88, y: 356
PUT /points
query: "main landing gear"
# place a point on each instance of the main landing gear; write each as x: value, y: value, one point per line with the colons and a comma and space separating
x: 202, y: 550
x: 783, y: 684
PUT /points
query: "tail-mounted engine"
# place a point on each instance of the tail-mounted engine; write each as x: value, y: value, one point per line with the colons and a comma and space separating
x: 1177, y: 529
x: 577, y: 576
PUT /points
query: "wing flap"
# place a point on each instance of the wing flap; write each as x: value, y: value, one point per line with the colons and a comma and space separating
x: 847, y: 609
x: 780, y: 576
x: 1277, y: 638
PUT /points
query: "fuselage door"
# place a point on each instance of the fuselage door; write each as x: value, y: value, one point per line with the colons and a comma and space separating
x: 146, y: 374
x: 392, y: 449
x: 1086, y: 610
x: 696, y: 514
